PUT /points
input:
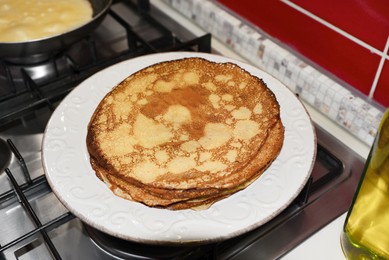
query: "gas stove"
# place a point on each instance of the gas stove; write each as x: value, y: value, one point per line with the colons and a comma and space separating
x: 35, y: 225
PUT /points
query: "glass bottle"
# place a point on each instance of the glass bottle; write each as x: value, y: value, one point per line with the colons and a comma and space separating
x: 366, y: 229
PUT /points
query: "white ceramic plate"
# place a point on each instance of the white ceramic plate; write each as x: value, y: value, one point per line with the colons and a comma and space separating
x: 67, y: 167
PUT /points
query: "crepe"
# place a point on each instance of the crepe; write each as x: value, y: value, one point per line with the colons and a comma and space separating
x: 184, y: 133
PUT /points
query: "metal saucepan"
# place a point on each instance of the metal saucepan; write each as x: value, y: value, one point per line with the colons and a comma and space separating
x: 37, y: 50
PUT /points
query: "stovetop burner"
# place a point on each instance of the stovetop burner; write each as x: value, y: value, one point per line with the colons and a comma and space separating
x: 26, y: 104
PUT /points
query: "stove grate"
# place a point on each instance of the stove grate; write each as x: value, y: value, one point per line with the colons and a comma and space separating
x: 27, y: 207
x: 19, y: 191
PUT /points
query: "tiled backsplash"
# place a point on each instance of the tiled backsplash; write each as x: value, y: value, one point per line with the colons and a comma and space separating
x: 341, y: 103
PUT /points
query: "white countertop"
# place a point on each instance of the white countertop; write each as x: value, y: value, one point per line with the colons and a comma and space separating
x: 323, y: 245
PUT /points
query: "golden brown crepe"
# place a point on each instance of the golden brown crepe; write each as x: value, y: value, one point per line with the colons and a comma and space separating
x: 185, y: 133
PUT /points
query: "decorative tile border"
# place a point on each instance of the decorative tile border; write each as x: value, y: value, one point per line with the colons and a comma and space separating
x: 348, y: 109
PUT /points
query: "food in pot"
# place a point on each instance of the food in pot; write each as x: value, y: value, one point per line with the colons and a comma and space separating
x: 27, y: 20
x: 185, y: 133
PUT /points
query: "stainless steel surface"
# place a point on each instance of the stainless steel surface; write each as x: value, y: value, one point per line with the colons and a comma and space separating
x: 327, y: 198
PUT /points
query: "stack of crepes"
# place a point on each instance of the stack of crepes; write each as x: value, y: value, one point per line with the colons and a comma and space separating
x: 185, y: 133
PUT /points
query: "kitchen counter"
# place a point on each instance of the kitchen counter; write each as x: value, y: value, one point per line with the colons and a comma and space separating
x: 325, y: 244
